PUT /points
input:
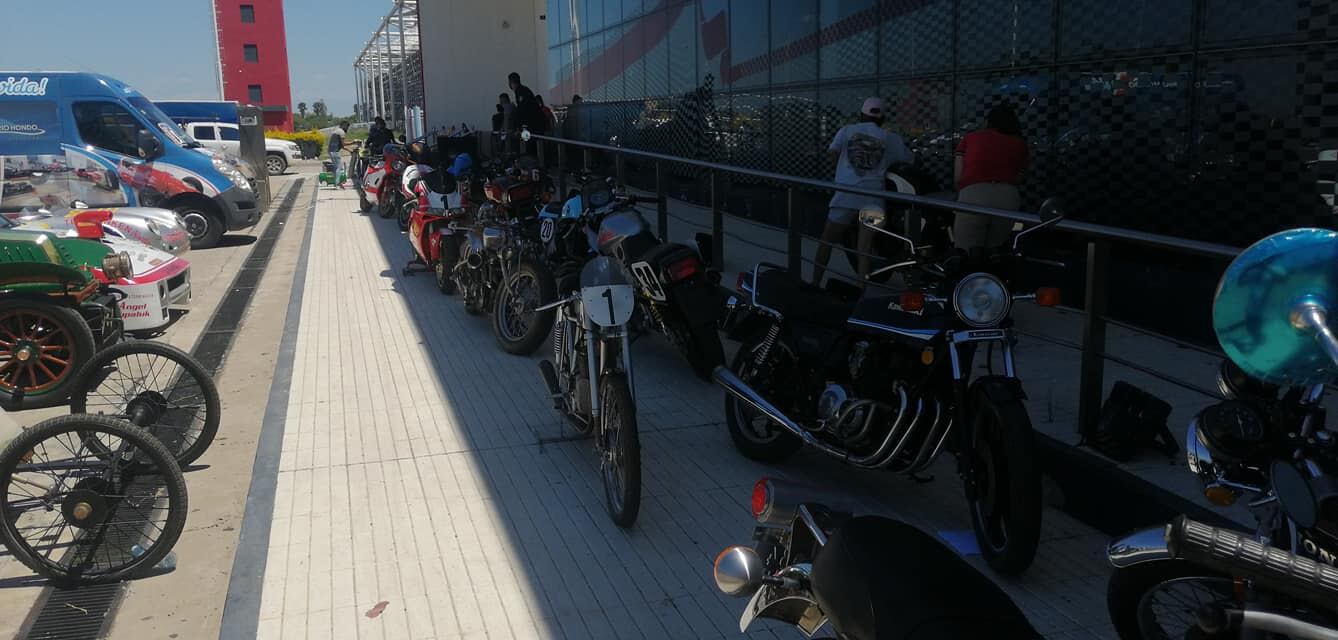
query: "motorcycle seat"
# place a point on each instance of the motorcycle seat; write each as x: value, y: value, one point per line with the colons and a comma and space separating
x: 880, y: 579
x: 800, y: 301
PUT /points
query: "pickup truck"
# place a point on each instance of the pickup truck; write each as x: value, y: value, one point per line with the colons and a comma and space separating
x: 226, y: 137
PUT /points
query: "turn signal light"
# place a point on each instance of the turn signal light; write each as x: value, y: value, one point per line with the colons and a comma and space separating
x: 1047, y: 296
x: 1220, y: 495
x: 761, y: 502
x: 912, y: 301
x: 683, y: 269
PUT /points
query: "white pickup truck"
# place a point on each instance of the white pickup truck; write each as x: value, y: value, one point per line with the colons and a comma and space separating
x: 226, y: 137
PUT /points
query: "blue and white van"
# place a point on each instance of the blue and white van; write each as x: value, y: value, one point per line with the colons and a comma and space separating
x: 88, y: 138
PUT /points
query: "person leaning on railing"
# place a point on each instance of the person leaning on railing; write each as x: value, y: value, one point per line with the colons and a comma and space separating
x: 987, y: 170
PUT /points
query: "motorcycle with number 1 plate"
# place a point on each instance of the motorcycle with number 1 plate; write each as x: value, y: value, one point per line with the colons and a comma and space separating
x: 590, y: 378
x: 881, y: 379
x: 1265, y: 442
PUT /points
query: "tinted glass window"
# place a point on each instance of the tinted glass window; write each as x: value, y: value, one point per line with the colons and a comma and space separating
x: 229, y: 134
x: 248, y: 13
x: 255, y: 94
x: 205, y: 133
x: 107, y: 125
x: 252, y: 53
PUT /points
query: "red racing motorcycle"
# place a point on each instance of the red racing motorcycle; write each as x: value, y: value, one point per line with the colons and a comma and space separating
x: 382, y: 180
x: 441, y: 216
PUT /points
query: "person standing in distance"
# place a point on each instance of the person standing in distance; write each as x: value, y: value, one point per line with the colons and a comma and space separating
x: 527, y: 110
x: 336, y: 145
x: 987, y: 169
x: 863, y: 151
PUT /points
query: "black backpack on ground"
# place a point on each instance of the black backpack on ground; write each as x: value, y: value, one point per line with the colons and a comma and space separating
x: 1131, y: 420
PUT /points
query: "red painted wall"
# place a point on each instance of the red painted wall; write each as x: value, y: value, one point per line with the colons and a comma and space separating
x: 271, y: 72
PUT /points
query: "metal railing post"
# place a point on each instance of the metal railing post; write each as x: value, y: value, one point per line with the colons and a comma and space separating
x: 620, y: 169
x: 794, y: 245
x: 717, y: 225
x: 1091, y: 384
x: 562, y: 170
x: 663, y: 203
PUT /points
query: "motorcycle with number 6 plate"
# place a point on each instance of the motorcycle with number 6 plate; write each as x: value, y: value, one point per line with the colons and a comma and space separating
x: 1266, y: 442
x: 882, y: 379
x: 590, y: 378
x: 868, y: 577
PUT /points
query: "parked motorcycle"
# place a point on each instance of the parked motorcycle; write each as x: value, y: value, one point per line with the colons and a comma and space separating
x: 1265, y: 442
x: 501, y: 267
x: 381, y: 182
x: 870, y: 578
x: 360, y: 162
x: 881, y: 379
x: 590, y: 378
x: 439, y: 221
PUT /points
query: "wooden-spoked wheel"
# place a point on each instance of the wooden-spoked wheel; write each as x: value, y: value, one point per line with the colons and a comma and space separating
x: 42, y: 347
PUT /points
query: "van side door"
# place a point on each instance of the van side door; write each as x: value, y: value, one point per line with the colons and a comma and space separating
x: 113, y: 132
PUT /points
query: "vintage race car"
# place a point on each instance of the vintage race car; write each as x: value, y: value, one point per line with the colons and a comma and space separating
x: 158, y: 281
x: 161, y: 229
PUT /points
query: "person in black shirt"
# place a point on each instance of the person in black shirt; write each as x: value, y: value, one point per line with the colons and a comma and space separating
x: 528, y: 113
x: 379, y: 136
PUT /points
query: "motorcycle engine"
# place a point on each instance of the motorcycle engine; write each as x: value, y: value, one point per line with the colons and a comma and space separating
x: 833, y: 398
x: 876, y: 367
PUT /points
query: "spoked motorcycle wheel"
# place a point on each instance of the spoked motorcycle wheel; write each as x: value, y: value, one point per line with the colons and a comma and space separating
x: 621, y: 464
x: 1006, y: 501
x: 156, y: 387
x: 755, y: 435
x: 385, y: 204
x: 518, y: 328
x: 77, y: 516
x: 1159, y: 600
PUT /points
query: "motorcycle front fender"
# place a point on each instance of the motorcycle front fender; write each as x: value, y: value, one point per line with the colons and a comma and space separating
x: 1141, y: 547
x: 786, y: 605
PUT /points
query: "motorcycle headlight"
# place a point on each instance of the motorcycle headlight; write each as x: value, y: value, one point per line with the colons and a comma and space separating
x: 117, y: 265
x: 981, y: 300
x: 873, y: 215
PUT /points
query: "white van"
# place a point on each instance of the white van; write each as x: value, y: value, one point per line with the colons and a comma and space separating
x: 226, y: 137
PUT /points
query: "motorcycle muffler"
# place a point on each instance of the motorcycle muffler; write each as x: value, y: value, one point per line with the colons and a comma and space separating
x: 740, y: 390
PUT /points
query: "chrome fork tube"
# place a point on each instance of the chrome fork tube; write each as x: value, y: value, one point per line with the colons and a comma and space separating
x: 1009, y: 369
x: 591, y: 344
x: 627, y: 361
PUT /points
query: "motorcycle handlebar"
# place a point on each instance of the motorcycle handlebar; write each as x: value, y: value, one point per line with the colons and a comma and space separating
x: 1276, y: 569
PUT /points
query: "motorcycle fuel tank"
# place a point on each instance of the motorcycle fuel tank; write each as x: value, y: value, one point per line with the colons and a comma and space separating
x: 616, y: 229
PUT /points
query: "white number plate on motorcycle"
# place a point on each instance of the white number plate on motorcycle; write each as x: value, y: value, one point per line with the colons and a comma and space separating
x: 608, y: 305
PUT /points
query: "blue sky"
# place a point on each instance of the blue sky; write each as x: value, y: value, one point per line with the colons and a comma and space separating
x: 165, y: 48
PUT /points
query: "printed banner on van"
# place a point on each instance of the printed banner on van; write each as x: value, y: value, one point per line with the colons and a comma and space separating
x: 29, y: 127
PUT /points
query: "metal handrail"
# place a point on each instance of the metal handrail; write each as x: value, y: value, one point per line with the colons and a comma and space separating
x: 1099, y: 237
x: 1088, y: 229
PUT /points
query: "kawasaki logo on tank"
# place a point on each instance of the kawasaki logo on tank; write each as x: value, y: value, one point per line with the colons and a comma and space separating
x: 12, y: 86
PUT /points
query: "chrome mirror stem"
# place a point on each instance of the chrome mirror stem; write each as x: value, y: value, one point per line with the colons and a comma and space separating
x: 1310, y: 315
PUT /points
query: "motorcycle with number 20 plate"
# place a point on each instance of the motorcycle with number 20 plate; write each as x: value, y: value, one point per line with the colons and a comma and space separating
x: 880, y: 379
x: 590, y: 378
x: 1266, y: 441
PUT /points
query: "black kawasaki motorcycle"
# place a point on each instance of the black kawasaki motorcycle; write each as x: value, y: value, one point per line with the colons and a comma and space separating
x: 879, y: 379
x: 1265, y: 443
x: 869, y: 578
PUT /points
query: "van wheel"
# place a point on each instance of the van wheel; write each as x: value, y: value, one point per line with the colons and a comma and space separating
x: 205, y: 228
x: 275, y: 165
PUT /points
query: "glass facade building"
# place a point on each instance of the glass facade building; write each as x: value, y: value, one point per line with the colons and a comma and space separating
x: 1208, y: 119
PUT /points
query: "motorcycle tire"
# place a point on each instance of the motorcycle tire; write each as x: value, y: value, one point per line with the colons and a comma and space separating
x: 514, y: 335
x: 385, y: 204
x: 1006, y: 503
x: 777, y: 445
x: 621, y: 468
x: 406, y: 209
x: 701, y: 345
x: 364, y: 205
x: 1129, y: 588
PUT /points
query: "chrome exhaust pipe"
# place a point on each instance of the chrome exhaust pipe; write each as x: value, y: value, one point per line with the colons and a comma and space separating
x: 740, y: 390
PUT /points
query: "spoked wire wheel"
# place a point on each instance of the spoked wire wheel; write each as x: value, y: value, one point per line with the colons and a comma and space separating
x: 621, y: 462
x: 157, y: 387
x: 76, y: 513
x: 518, y: 327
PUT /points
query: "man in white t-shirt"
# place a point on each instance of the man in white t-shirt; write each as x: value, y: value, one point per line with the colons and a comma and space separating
x: 863, y: 151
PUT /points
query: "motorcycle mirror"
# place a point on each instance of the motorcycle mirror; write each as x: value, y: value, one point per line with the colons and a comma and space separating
x: 738, y: 571
x: 1052, y: 209
x: 525, y: 134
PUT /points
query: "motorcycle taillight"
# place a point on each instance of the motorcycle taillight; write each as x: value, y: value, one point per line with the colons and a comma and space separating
x: 683, y: 268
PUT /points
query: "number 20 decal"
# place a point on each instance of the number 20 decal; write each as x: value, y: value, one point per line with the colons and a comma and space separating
x: 645, y: 274
x: 546, y: 230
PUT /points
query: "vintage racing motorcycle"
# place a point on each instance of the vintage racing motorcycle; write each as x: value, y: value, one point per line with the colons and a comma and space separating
x: 439, y: 221
x: 868, y: 577
x: 882, y: 380
x: 590, y: 378
x: 1265, y: 442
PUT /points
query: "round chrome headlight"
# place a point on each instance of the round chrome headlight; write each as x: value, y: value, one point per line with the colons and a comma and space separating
x: 981, y: 300
x: 117, y: 265
x: 872, y: 214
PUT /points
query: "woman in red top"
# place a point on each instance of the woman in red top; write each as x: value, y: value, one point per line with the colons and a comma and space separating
x: 987, y: 169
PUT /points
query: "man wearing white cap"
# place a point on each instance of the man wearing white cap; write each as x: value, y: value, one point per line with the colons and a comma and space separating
x: 863, y: 151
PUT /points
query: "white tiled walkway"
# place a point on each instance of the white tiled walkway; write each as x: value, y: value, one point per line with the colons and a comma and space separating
x: 416, y: 500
